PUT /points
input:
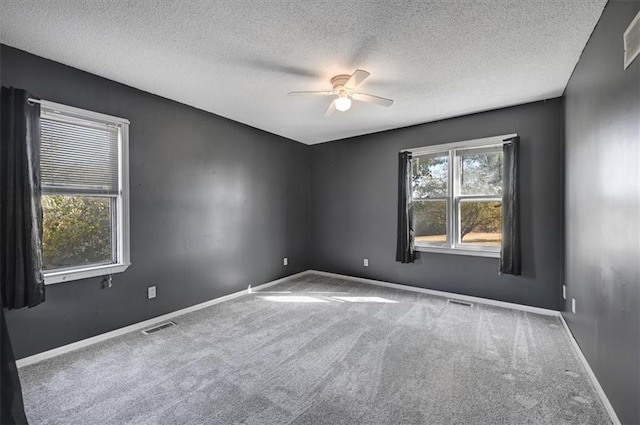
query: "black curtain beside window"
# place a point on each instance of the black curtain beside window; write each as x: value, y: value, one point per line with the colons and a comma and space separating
x: 21, y: 279
x: 11, y: 404
x: 404, y: 248
x: 510, y: 253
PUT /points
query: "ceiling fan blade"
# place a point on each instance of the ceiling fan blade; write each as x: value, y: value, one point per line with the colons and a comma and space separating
x: 356, y: 78
x: 331, y: 109
x: 369, y: 98
x: 301, y: 93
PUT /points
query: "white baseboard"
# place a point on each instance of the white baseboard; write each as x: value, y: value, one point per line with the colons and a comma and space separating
x: 142, y: 325
x: 467, y: 298
x: 592, y: 376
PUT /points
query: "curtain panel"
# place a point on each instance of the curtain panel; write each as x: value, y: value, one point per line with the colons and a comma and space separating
x: 405, y: 241
x: 21, y: 279
x: 21, y: 276
x: 510, y: 252
x: 11, y: 403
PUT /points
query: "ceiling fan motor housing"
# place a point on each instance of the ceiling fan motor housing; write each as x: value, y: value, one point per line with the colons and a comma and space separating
x: 339, y: 81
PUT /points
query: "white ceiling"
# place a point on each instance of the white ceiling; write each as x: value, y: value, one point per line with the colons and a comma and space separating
x: 239, y: 58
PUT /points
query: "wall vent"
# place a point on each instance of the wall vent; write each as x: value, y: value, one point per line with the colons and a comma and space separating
x: 632, y: 41
x: 458, y: 302
x: 159, y: 327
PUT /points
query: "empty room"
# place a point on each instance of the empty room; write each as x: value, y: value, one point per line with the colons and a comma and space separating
x: 320, y: 212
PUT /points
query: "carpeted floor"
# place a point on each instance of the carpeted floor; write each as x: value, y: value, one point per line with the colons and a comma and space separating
x: 318, y: 350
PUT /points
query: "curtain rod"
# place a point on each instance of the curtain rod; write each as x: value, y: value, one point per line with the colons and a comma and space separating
x: 504, y: 142
x: 82, y: 113
x: 495, y: 140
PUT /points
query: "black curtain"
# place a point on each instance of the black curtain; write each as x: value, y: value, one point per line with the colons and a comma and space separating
x: 510, y: 254
x: 11, y: 405
x: 404, y: 247
x: 21, y: 279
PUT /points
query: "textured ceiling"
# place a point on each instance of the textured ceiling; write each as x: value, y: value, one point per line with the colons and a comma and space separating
x: 239, y: 59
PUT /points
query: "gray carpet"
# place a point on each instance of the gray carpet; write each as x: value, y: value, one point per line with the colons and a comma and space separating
x: 338, y: 353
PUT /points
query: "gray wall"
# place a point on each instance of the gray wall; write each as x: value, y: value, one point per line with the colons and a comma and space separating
x: 215, y: 206
x: 354, y: 197
x: 603, y: 210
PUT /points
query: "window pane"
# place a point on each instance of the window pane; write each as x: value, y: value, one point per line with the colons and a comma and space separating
x: 481, y: 171
x: 481, y: 222
x: 430, y: 175
x: 430, y: 222
x: 77, y: 231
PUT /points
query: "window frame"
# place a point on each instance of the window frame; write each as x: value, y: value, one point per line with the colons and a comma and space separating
x: 122, y: 230
x: 455, y: 197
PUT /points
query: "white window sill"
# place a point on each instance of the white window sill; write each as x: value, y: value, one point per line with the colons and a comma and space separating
x: 69, y: 275
x: 459, y: 251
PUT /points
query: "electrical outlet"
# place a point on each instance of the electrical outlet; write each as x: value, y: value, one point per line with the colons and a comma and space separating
x: 564, y: 292
x: 573, y: 305
x: 107, y: 282
x: 366, y: 262
x: 285, y: 261
x: 151, y: 292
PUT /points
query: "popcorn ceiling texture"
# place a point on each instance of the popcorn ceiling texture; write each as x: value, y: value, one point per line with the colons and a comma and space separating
x: 238, y: 59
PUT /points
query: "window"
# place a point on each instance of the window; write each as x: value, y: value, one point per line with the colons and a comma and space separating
x: 85, y: 197
x: 457, y: 197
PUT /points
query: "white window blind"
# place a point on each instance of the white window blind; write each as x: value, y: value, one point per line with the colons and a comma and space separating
x: 79, y: 156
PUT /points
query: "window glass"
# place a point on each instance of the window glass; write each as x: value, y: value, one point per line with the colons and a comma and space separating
x: 430, y: 221
x: 77, y: 231
x: 430, y: 176
x: 481, y: 171
x: 481, y: 222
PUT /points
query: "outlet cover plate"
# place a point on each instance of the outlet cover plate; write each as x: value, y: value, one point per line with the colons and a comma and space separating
x: 151, y: 292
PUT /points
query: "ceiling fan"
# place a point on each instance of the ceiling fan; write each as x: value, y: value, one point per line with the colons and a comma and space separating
x: 343, y: 86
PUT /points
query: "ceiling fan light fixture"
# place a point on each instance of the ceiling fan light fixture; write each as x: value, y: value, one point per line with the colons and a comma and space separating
x: 343, y: 88
x: 343, y: 103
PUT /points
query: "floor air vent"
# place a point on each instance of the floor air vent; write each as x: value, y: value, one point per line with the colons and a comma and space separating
x: 159, y: 327
x: 458, y: 302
